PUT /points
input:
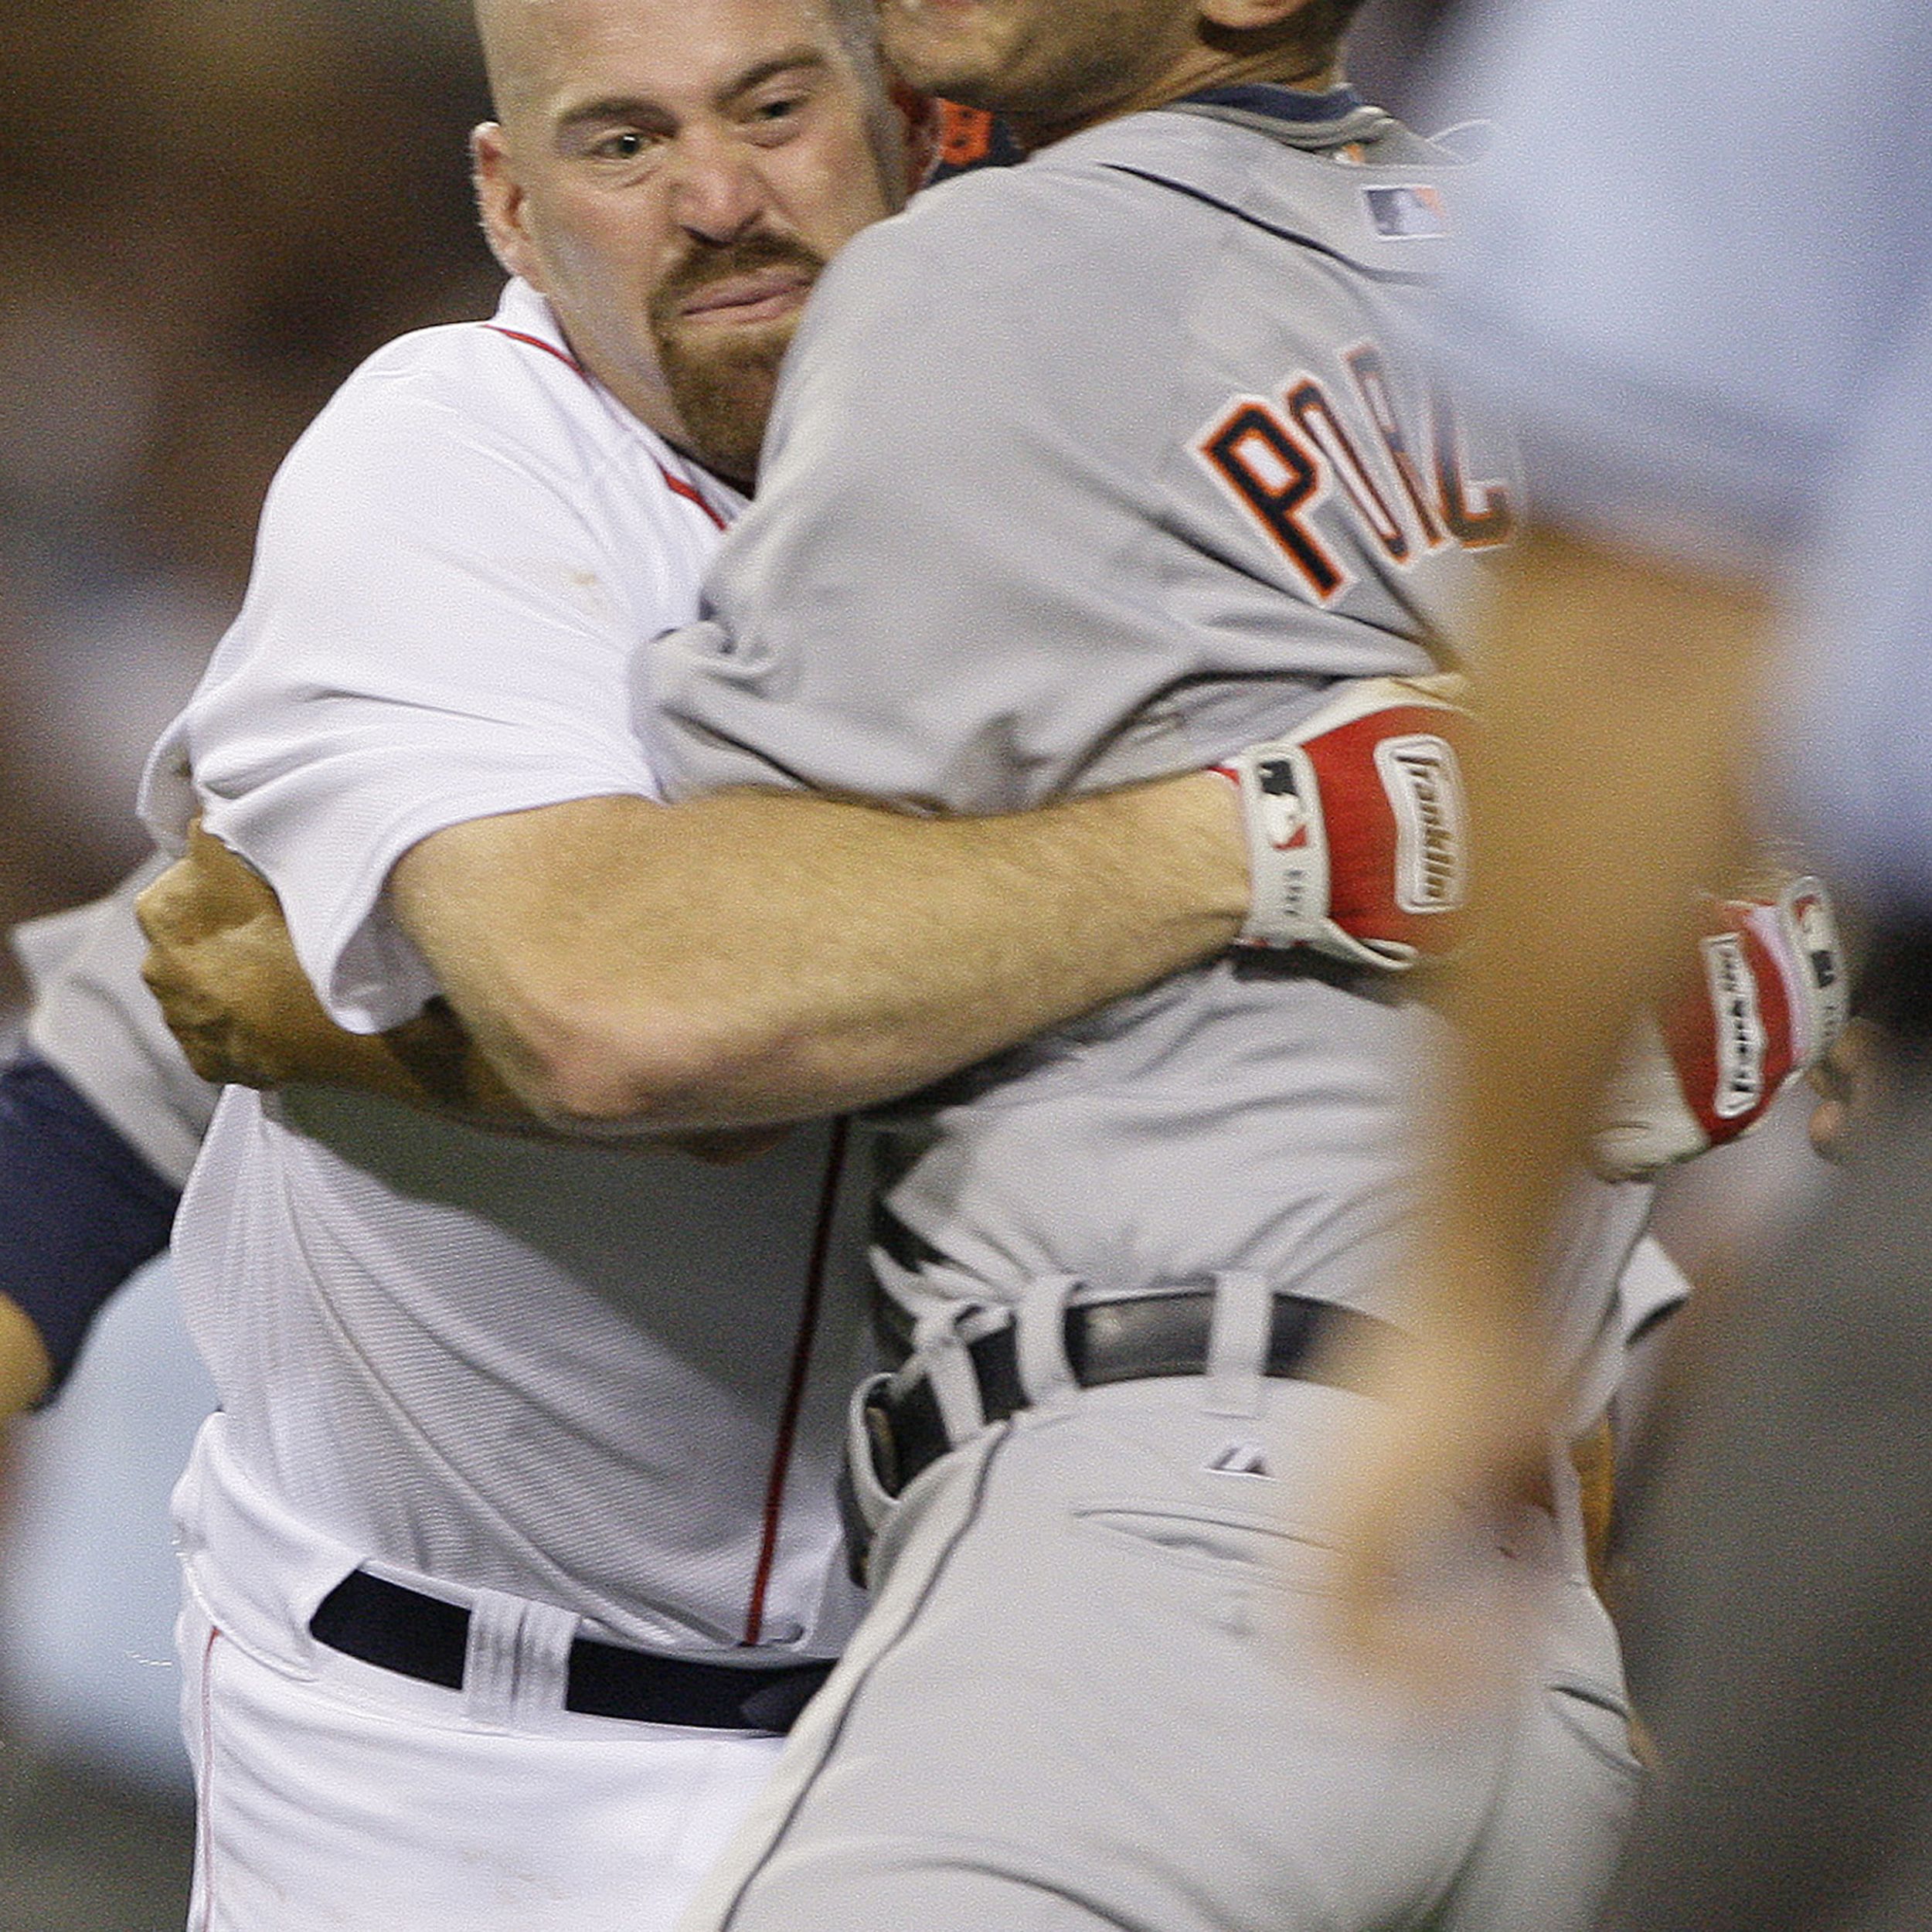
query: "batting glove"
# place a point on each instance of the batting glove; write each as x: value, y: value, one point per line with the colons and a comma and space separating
x: 1357, y: 829
x: 1769, y: 999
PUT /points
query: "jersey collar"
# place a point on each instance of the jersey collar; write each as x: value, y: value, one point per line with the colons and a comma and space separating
x: 1318, y: 123
x: 523, y: 313
x: 1274, y: 103
x: 526, y: 317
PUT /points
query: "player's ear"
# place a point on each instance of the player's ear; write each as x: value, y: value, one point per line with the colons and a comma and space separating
x: 1248, y: 16
x: 500, y: 202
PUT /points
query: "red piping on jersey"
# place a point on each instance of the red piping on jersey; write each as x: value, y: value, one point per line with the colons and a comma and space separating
x: 795, y: 1391
x: 676, y: 485
x: 563, y: 356
x: 690, y: 492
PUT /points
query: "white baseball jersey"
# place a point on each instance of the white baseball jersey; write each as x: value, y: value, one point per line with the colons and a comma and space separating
x: 1085, y: 472
x: 604, y: 1380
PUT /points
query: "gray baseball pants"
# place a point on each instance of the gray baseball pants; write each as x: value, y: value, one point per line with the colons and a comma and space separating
x: 1096, y: 1689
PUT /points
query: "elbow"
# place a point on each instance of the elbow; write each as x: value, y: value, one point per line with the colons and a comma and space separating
x: 590, y: 1065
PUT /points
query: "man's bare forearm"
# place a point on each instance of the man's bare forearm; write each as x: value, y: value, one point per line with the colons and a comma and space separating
x: 1622, y: 700
x: 754, y: 958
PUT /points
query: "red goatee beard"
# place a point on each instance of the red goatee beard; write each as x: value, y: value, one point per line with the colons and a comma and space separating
x: 724, y: 388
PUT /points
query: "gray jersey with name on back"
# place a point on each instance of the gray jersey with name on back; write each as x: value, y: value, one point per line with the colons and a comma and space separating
x: 1084, y: 472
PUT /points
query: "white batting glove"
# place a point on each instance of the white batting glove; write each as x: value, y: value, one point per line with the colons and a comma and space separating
x: 1769, y: 1000
x: 1357, y: 826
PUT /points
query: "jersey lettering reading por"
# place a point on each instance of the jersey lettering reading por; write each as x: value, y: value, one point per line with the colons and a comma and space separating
x: 1282, y: 461
x: 1278, y: 480
x: 1314, y: 416
x: 1366, y: 365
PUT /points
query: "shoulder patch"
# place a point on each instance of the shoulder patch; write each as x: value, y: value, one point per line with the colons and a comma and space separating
x: 1407, y: 213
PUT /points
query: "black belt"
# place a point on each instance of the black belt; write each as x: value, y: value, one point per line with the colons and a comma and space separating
x: 399, y: 1629
x: 1108, y: 1341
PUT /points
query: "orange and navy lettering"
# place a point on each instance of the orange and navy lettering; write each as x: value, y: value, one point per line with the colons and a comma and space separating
x: 1479, y: 515
x: 1366, y: 365
x: 1278, y: 480
x: 965, y: 135
x: 1314, y: 416
x: 1281, y: 458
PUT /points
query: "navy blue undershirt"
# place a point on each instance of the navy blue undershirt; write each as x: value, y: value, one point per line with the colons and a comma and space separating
x: 80, y: 1208
x: 1280, y: 103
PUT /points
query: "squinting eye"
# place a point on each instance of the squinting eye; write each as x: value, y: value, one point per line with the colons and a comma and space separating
x: 627, y: 146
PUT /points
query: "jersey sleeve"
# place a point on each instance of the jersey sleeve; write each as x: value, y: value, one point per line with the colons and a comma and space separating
x: 81, y: 1209
x: 95, y: 1022
x: 433, y: 634
x: 1660, y: 158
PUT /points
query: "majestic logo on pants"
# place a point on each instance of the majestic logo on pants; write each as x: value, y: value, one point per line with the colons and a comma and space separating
x: 1240, y: 1459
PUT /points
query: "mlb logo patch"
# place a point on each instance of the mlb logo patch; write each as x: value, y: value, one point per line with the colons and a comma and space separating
x: 1283, y: 816
x: 1403, y: 214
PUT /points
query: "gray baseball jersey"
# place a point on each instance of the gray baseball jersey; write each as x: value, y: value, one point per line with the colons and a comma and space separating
x: 1086, y: 471
x: 1081, y: 474
x: 92, y: 1019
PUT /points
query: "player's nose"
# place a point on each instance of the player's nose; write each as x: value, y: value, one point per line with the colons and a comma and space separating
x: 717, y: 192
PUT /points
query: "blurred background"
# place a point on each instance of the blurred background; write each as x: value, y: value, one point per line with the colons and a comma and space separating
x: 210, y: 210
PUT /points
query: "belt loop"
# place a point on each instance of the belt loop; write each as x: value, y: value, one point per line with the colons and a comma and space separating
x: 1040, y: 1342
x: 939, y: 1352
x: 516, y: 1667
x: 873, y: 1499
x: 1237, y: 1352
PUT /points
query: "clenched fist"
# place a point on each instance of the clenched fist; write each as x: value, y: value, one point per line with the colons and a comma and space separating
x: 221, y: 963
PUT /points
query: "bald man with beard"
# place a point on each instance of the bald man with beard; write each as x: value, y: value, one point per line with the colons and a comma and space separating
x: 512, y: 1552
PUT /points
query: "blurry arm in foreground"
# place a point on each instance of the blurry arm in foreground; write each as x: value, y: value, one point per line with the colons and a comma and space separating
x: 1623, y: 695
